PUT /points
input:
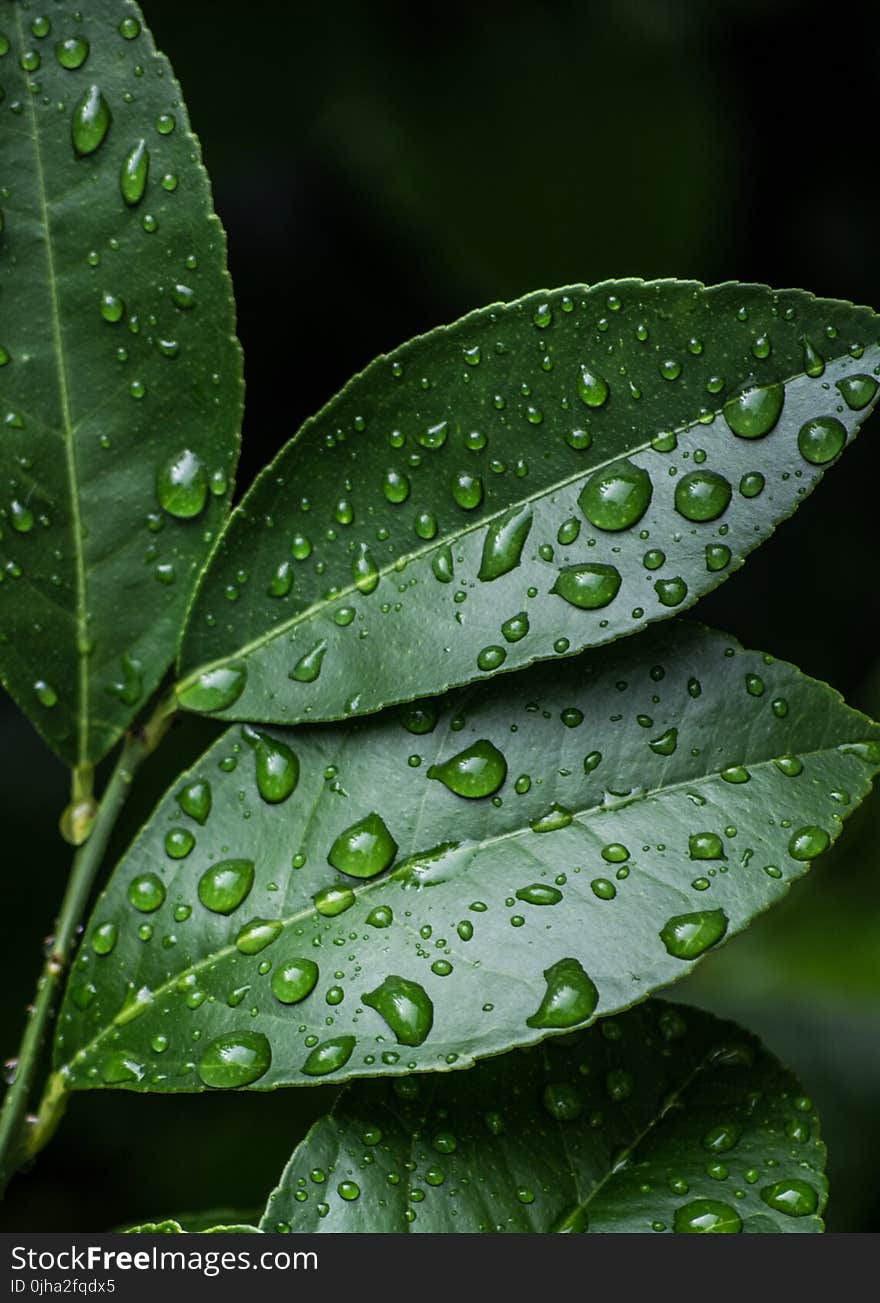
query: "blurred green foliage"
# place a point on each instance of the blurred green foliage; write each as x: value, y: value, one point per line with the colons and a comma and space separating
x: 382, y: 168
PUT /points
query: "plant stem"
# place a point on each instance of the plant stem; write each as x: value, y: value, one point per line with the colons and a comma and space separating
x: 15, y: 1145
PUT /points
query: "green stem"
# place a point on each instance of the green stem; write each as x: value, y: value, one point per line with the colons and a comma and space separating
x: 15, y: 1144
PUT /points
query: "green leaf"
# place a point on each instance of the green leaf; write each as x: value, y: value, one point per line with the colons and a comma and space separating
x: 196, y: 1224
x: 665, y: 1119
x: 534, y: 479
x: 120, y: 389
x: 625, y: 812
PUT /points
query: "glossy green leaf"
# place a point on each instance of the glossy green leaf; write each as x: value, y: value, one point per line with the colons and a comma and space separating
x: 664, y: 1119
x: 619, y: 815
x: 195, y: 1225
x: 120, y: 377
x: 534, y: 479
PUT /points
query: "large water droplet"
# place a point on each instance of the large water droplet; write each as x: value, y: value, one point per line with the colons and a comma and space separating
x: 617, y: 496
x: 293, y: 980
x: 539, y: 893
x: 214, y: 689
x: 588, y: 587
x: 406, y: 1007
x: 90, y: 122
x: 706, y: 1216
x: 364, y: 849
x: 821, y: 440
x: 364, y: 571
x: 702, y: 495
x: 236, y: 1059
x: 133, y: 173
x: 504, y: 542
x: 686, y: 936
x: 308, y: 667
x: 807, y: 843
x: 224, y: 886
x: 257, y: 935
x: 570, y: 997
x: 182, y: 485
x: 467, y: 490
x: 592, y: 388
x: 329, y: 1056
x: 795, y: 1198
x: 146, y: 892
x: 72, y: 53
x: 754, y: 410
x: 277, y: 769
x: 857, y: 391
x: 476, y: 772
x: 195, y: 800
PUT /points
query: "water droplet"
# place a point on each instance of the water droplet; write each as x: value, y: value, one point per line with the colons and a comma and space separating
x: 308, y: 667
x: 706, y: 1216
x: 702, y: 495
x: 665, y: 744
x: 617, y: 496
x: 795, y: 1198
x: 364, y: 571
x: 821, y: 440
x: 395, y: 486
x: 705, y: 846
x: 224, y: 886
x: 72, y: 53
x: 364, y: 849
x: 562, y: 1101
x: 857, y: 391
x: 570, y: 997
x: 467, y: 490
x: 183, y: 297
x: 671, y: 592
x: 735, y: 774
x: 814, y: 364
x: 214, y: 689
x: 277, y: 769
x: 405, y: 1006
x: 129, y: 28
x: 504, y: 542
x: 688, y: 935
x: 490, y: 658
x: 328, y: 1057
x: 133, y: 173
x: 195, y: 800
x: 90, y: 122
x: 381, y: 917
x: 516, y: 627
x: 332, y: 901
x: 146, y: 892
x: 257, y: 935
x: 282, y: 580
x: 807, y: 843
x: 552, y: 819
x: 235, y: 1059
x: 752, y: 484
x: 179, y: 842
x: 182, y: 485
x: 104, y: 938
x: 475, y: 772
x: 539, y: 893
x: 588, y: 587
x: 754, y: 410
x: 592, y: 388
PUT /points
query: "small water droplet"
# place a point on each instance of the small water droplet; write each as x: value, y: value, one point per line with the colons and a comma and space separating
x: 476, y: 772
x: 224, y: 886
x: 405, y: 1006
x: 364, y: 849
x: 235, y: 1059
x: 570, y: 997
x: 687, y: 936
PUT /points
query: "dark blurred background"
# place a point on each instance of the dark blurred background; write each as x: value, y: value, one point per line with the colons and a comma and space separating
x: 382, y: 168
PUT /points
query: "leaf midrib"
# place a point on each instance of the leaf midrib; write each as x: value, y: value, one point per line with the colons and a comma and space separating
x: 67, y: 432
x: 402, y: 561
x: 359, y: 891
